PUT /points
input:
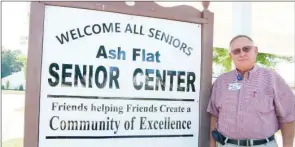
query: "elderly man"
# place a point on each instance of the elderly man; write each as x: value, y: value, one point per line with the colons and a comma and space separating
x: 250, y: 104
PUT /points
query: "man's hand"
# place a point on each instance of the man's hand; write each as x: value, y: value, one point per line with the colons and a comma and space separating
x: 212, y: 127
x: 287, y: 130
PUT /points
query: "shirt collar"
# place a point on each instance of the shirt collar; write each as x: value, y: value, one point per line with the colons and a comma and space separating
x: 248, y: 75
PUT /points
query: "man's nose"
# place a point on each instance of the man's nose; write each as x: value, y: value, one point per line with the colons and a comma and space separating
x: 242, y: 53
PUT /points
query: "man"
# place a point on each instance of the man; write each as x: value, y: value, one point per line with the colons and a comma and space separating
x: 250, y: 104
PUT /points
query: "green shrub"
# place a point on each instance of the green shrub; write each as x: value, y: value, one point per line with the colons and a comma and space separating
x: 21, y: 87
x: 7, y: 84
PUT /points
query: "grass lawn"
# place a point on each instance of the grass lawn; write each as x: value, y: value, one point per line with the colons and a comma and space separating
x: 12, y: 92
x: 17, y: 142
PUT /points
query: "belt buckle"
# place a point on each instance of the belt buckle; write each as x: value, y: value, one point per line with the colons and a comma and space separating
x: 248, y: 143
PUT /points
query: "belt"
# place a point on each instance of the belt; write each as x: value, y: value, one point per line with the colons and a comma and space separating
x: 248, y: 142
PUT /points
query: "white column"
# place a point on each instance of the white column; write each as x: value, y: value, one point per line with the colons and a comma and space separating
x: 241, y: 19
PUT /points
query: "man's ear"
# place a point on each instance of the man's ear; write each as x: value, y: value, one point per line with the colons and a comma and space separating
x: 256, y: 49
x: 230, y: 56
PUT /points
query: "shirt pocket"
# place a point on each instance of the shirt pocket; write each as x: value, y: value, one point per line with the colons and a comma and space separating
x: 228, y: 102
x: 262, y: 101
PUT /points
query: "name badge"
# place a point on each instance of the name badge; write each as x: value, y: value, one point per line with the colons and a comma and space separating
x: 234, y: 86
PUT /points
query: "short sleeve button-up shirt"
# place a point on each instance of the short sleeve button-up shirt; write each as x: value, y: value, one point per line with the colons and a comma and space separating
x: 256, y: 109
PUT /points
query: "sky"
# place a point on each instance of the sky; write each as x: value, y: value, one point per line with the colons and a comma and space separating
x: 274, y: 25
x: 14, y: 24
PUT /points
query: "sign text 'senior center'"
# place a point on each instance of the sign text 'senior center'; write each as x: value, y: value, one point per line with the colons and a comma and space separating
x: 91, y: 76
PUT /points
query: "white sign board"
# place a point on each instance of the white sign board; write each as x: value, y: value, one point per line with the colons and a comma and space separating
x: 112, y: 79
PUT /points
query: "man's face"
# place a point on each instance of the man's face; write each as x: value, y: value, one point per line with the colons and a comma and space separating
x: 243, y: 53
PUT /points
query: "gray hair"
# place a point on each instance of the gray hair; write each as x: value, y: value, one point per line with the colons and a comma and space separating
x: 240, y: 36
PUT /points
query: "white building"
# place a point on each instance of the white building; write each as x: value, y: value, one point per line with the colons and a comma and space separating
x: 15, y: 80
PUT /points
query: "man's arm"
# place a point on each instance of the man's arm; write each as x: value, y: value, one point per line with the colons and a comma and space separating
x: 284, y: 101
x: 213, y: 111
x: 287, y: 130
x: 212, y: 127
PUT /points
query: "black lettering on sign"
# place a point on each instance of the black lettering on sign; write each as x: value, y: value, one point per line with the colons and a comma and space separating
x: 137, y: 29
x: 90, y: 76
x: 96, y: 29
x: 79, y: 76
x: 152, y: 79
x: 171, y: 73
x: 135, y: 84
x: 63, y: 38
x: 191, y: 77
x: 88, y: 30
x: 113, y: 54
x: 82, y: 75
x: 134, y: 29
x: 160, y: 80
x: 73, y: 34
x: 114, y: 75
x: 169, y: 39
x: 180, y: 80
x: 66, y: 74
x: 148, y: 78
x: 101, y: 52
x: 54, y: 74
x: 166, y: 124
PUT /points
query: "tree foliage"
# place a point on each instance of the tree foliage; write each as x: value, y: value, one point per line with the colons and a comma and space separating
x: 221, y: 58
x: 12, y: 62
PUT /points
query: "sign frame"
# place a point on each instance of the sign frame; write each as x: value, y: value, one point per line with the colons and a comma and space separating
x: 183, y: 13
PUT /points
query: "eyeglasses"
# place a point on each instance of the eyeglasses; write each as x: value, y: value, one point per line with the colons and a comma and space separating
x: 245, y: 49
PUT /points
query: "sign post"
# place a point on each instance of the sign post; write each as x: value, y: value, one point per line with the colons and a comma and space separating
x: 105, y: 73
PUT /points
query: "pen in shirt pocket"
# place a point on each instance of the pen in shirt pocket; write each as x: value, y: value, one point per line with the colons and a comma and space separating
x: 254, y: 93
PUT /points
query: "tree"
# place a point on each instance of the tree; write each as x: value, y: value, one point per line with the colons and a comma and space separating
x: 7, y: 86
x: 12, y: 61
x: 221, y: 58
x: 271, y: 60
x: 23, y: 59
x: 21, y: 87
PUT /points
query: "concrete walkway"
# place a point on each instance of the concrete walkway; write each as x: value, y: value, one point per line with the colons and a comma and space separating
x: 12, y: 116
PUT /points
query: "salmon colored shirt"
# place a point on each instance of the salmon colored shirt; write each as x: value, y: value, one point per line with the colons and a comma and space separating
x: 254, y: 111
